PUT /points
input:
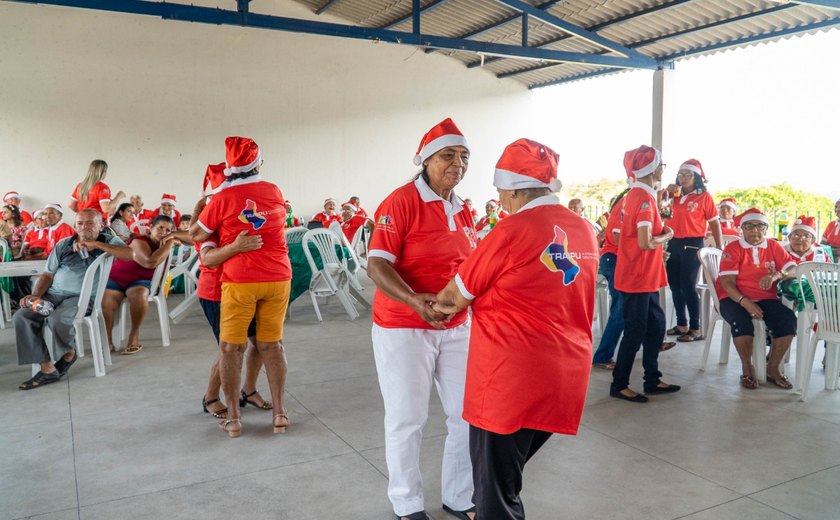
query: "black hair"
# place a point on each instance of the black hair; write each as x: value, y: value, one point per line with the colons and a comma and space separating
x: 699, y: 185
x: 161, y: 218
x: 618, y: 198
x: 422, y: 173
x: 122, y: 207
x: 16, y: 218
x: 243, y: 175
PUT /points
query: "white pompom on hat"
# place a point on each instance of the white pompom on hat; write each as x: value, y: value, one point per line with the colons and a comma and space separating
x: 442, y: 135
x: 804, y: 223
x: 527, y: 164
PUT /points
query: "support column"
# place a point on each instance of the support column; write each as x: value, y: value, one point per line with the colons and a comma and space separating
x: 660, y: 120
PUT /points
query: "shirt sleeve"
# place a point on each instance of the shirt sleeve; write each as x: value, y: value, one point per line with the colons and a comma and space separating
x: 730, y: 259
x: 782, y: 258
x: 644, y: 213
x: 102, y: 192
x: 75, y: 194
x: 209, y: 219
x: 391, y: 225
x: 52, y: 260
x: 479, y: 272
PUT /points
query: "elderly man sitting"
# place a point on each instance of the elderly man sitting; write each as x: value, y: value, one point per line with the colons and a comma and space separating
x: 60, y: 285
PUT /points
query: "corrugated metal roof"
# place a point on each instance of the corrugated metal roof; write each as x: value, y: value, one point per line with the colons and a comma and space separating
x: 664, y: 30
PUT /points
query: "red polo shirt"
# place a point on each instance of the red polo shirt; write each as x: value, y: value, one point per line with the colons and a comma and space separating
x: 637, y: 270
x: 613, y: 226
x: 532, y: 282
x: 209, y: 283
x: 100, y: 192
x: 691, y: 213
x: 351, y: 225
x: 727, y: 227
x: 832, y: 233
x: 750, y: 264
x: 815, y: 254
x: 426, y: 239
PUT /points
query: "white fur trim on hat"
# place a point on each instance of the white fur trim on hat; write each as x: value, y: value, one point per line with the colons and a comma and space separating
x: 650, y: 167
x: 351, y: 206
x: 330, y: 200
x: 508, y: 180
x: 55, y: 207
x: 173, y: 202
x: 439, y: 144
x: 11, y: 195
x: 728, y: 204
x: 690, y: 167
x: 803, y: 227
x: 750, y: 217
x: 231, y: 170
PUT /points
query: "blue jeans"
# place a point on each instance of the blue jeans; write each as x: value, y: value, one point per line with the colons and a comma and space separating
x: 615, y: 323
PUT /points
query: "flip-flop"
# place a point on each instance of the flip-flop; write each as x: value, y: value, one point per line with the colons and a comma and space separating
x: 609, y: 365
x: 667, y: 345
x: 132, y: 349
x: 748, y: 382
x: 675, y: 331
x: 688, y: 337
x: 40, y: 379
x: 782, y: 381
x: 63, y: 366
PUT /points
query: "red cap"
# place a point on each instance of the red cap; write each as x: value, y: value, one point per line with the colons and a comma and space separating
x: 241, y: 155
x: 439, y: 137
x: 641, y: 161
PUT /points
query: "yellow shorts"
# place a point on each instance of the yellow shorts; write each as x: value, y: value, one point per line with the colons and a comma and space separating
x: 265, y: 301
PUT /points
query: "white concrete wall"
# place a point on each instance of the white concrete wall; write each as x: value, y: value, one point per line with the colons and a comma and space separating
x: 155, y: 99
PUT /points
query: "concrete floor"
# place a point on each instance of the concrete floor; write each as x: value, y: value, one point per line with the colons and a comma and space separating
x: 135, y: 444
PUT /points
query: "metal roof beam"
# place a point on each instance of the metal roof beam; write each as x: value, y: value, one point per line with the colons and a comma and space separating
x: 428, y: 8
x: 191, y: 13
x: 830, y: 4
x: 326, y: 6
x: 574, y: 78
x: 596, y: 27
x: 572, y: 29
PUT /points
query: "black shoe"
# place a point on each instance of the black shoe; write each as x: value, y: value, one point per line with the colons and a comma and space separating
x: 40, y: 379
x: 459, y: 514
x: 670, y: 389
x: 638, y: 398
x: 419, y: 515
x: 63, y: 366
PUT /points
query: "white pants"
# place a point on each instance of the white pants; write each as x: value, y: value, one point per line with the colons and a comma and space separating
x: 407, y: 360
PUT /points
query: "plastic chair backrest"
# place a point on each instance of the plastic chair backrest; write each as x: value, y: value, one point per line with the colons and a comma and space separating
x: 161, y: 272
x: 824, y: 280
x: 710, y: 260
x: 97, y: 272
x: 335, y: 227
x: 4, y: 248
x: 325, y: 242
x: 295, y: 235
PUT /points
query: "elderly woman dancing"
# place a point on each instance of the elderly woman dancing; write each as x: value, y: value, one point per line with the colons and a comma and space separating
x: 423, y: 233
x: 749, y: 271
x: 528, y: 365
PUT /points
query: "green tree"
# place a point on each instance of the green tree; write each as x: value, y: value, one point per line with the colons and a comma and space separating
x: 776, y: 199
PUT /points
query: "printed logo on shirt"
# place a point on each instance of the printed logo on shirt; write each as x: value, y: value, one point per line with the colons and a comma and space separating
x: 770, y: 266
x: 250, y: 215
x: 385, y: 223
x: 384, y: 220
x: 692, y: 206
x: 557, y: 257
x: 645, y: 205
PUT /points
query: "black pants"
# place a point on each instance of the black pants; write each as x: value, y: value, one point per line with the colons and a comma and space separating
x: 780, y: 320
x: 644, y: 326
x: 682, y: 268
x: 498, y: 461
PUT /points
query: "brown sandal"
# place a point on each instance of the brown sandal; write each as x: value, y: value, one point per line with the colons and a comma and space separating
x: 280, y: 428
x: 781, y: 381
x: 749, y: 382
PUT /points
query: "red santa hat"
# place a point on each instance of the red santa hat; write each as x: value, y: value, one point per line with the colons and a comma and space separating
x: 439, y: 137
x: 804, y: 223
x: 214, y: 176
x: 527, y: 164
x: 56, y: 207
x: 693, y: 165
x: 751, y: 215
x: 729, y: 203
x: 350, y: 205
x: 241, y: 155
x: 168, y: 198
x: 11, y: 195
x: 641, y: 162
x: 37, y: 213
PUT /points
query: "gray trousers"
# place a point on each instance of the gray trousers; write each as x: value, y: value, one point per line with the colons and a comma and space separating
x: 29, y: 330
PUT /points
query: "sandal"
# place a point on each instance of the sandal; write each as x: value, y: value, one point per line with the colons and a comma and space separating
x: 243, y: 401
x: 667, y: 345
x: 675, y: 331
x: 132, y: 349
x: 781, y: 381
x: 609, y: 365
x: 232, y: 432
x: 748, y: 382
x: 463, y: 515
x: 63, y: 366
x: 218, y: 414
x: 281, y: 428
x: 40, y: 379
x: 692, y: 335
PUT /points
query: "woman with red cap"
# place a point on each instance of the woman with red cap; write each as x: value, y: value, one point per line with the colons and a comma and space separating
x: 727, y: 209
x: 639, y: 274
x: 329, y: 215
x: 531, y: 284
x: 423, y: 233
x: 692, y: 211
x: 801, y: 241
x: 749, y: 271
x: 167, y: 208
x: 93, y: 193
x: 831, y: 235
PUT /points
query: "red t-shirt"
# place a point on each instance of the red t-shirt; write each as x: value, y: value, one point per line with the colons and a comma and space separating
x: 691, y: 213
x: 26, y: 217
x: 815, y: 254
x: 176, y: 218
x: 361, y: 213
x: 425, y: 244
x: 533, y: 280
x: 351, y: 225
x: 832, y: 233
x: 57, y: 233
x: 124, y: 272
x: 256, y: 206
x: 100, y: 192
x: 613, y: 226
x: 209, y: 282
x: 326, y: 220
x: 751, y: 264
x: 727, y: 227
x: 637, y: 270
x: 37, y: 238
x: 142, y: 219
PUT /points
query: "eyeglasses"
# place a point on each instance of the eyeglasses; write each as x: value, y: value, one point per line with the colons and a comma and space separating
x: 801, y: 236
x: 750, y: 227
x: 685, y: 175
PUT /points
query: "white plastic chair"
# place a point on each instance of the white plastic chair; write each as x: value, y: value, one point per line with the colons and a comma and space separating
x: 155, y: 296
x: 602, y: 302
x: 359, y: 244
x: 333, y: 278
x: 94, y: 320
x: 355, y: 286
x: 710, y: 261
x: 824, y: 280
x: 5, y: 299
x: 295, y: 235
x: 190, y: 271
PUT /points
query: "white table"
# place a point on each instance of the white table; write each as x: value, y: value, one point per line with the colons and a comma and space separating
x: 19, y: 268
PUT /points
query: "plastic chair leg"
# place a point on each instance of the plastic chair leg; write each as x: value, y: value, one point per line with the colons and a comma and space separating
x: 315, y: 306
x: 95, y: 348
x: 759, y: 354
x: 809, y: 365
x: 163, y: 318
x: 344, y: 298
x: 103, y: 339
x: 710, y: 329
x: 359, y: 298
x: 832, y: 365
x: 725, y: 341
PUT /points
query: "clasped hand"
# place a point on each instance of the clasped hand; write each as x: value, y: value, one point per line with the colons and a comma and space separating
x: 433, y: 312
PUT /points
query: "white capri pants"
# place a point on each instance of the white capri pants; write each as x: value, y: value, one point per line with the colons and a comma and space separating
x: 407, y: 360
